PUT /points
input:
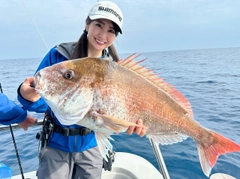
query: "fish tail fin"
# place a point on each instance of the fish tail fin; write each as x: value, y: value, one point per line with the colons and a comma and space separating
x: 211, y: 148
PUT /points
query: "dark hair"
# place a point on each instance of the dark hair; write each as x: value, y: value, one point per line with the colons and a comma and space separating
x: 80, y: 50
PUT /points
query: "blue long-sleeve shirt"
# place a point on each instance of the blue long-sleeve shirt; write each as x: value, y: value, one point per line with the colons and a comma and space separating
x: 10, y: 112
x: 76, y: 143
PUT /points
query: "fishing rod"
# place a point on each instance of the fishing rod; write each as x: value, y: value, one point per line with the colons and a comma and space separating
x: 14, y: 143
x: 16, y: 126
x: 39, y: 33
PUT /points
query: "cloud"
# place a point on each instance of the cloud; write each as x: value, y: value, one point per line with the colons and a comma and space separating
x: 148, y: 24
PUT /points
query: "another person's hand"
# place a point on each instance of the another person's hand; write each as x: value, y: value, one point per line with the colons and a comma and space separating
x: 28, y: 122
x: 141, y: 131
x: 28, y: 91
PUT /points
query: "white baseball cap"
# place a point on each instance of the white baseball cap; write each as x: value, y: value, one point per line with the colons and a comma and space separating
x: 107, y: 10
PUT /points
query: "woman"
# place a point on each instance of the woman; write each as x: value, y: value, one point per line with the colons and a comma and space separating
x: 71, y: 151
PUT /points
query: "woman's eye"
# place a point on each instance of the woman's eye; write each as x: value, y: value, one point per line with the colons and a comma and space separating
x: 98, y: 25
x: 112, y: 31
x: 68, y: 75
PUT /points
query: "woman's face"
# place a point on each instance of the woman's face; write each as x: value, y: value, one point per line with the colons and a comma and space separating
x: 101, y: 34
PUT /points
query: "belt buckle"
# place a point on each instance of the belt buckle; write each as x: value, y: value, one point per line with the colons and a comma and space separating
x: 66, y: 131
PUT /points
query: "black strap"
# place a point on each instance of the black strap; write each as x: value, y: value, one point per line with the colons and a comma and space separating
x: 71, y: 131
x: 66, y: 131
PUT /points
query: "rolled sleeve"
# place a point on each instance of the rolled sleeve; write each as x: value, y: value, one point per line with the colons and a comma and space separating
x: 10, y: 112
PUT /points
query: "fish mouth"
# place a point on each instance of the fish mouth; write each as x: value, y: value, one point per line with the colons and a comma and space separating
x: 33, y: 84
x: 36, y: 83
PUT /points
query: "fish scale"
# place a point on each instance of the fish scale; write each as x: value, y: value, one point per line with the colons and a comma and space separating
x: 113, y: 96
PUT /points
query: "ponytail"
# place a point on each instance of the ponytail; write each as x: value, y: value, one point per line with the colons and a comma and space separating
x: 80, y: 50
x: 113, y: 53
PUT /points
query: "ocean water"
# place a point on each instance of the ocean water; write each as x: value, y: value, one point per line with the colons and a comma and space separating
x: 209, y: 79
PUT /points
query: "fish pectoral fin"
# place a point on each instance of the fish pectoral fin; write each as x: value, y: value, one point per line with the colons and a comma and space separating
x: 167, y: 138
x: 114, y: 124
x: 104, y: 144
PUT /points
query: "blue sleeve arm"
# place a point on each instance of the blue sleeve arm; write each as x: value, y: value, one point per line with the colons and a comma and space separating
x: 48, y: 60
x: 10, y: 112
x: 39, y: 106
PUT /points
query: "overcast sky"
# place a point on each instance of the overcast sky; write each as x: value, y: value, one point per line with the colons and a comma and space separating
x: 149, y: 25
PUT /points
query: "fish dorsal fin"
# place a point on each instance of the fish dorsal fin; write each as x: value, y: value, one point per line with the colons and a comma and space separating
x: 153, y: 78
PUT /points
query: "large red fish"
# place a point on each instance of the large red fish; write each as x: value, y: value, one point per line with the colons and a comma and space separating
x: 108, y: 97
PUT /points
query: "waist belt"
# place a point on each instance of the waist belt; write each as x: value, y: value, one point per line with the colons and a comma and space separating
x: 71, y: 131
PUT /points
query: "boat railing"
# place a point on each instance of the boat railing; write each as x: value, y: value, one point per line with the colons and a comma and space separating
x: 159, y: 158
x: 155, y: 146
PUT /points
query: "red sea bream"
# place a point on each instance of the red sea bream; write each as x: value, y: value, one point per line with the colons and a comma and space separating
x: 108, y: 97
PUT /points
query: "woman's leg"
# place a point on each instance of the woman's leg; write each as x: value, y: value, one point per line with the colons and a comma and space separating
x: 88, y: 164
x: 55, y: 164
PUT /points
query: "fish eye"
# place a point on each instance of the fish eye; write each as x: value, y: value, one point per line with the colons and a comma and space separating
x: 68, y: 74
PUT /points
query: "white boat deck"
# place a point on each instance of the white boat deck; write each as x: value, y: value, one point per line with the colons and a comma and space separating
x: 125, y: 166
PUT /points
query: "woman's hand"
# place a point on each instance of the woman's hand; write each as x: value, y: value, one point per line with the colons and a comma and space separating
x: 28, y: 91
x: 139, y: 130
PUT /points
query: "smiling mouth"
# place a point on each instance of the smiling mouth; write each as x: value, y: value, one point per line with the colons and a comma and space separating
x: 100, y: 42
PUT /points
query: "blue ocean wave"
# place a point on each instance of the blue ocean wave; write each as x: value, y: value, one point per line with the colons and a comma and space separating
x: 208, y: 78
